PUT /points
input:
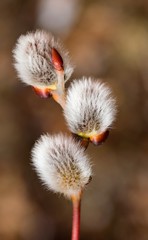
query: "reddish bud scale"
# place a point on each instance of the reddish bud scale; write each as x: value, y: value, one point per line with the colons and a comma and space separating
x: 57, y: 60
x: 99, y: 139
x: 44, y: 93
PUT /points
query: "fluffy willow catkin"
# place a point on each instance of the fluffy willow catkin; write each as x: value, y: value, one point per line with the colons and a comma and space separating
x: 61, y: 164
x: 90, y: 108
x: 33, y: 60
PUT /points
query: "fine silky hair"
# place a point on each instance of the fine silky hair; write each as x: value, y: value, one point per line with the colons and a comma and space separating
x: 33, y: 60
x: 61, y: 164
x: 90, y: 107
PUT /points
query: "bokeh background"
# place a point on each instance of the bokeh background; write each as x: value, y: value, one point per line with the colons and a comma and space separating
x: 108, y: 40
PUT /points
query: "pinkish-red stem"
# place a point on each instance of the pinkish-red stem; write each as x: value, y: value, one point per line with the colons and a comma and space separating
x: 76, y: 219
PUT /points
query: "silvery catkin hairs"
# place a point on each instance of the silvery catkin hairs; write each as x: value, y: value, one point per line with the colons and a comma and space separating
x: 61, y: 164
x: 90, y: 108
x: 33, y: 60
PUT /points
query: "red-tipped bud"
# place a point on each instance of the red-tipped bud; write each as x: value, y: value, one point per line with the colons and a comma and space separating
x: 99, y: 139
x: 35, y: 68
x: 57, y: 60
x: 42, y: 92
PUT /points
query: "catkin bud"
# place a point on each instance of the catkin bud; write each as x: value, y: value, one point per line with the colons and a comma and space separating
x: 38, y: 57
x: 61, y: 164
x: 90, y: 109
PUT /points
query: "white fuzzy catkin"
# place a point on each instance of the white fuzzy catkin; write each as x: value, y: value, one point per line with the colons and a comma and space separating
x: 61, y: 164
x: 33, y: 61
x: 90, y: 108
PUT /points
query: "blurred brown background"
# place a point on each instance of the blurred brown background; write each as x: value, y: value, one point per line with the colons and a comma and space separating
x: 106, y: 39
